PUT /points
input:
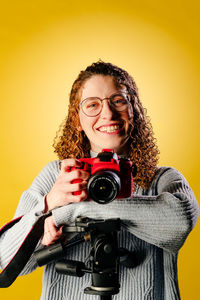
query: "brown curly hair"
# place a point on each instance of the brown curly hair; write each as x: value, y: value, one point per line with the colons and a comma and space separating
x: 143, y: 151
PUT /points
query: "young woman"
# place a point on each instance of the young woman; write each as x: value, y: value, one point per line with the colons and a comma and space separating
x: 105, y: 113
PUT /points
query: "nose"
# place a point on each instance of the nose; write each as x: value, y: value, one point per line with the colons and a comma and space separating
x: 107, y: 112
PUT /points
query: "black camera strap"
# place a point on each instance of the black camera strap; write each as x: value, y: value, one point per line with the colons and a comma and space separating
x: 23, y: 254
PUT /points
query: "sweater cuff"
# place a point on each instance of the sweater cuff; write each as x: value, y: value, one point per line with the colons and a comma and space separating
x: 63, y: 215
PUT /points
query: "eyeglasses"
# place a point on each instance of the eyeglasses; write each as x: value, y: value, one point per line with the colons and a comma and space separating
x: 92, y: 106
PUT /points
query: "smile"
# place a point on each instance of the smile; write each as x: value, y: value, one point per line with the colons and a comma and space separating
x: 110, y: 129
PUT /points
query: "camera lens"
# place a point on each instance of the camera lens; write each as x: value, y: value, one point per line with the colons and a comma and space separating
x: 104, y: 186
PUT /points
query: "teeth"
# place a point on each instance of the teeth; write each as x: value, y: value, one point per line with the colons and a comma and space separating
x: 109, y: 128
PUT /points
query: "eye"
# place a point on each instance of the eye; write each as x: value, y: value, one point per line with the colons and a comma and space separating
x: 91, y: 104
x: 119, y: 100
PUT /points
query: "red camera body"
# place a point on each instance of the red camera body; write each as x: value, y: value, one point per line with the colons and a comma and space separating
x: 105, y: 168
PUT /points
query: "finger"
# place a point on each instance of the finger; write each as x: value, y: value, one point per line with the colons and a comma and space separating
x: 45, y: 240
x: 77, y: 174
x: 69, y: 197
x: 66, y: 164
x: 67, y: 188
x: 49, y: 227
x: 60, y: 231
x: 52, y: 229
x: 75, y: 187
x: 49, y: 238
x: 78, y: 198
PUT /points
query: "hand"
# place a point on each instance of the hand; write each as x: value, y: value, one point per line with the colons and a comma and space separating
x: 51, y: 232
x: 62, y: 191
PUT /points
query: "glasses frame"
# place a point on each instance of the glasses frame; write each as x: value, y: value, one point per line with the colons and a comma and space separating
x: 107, y: 98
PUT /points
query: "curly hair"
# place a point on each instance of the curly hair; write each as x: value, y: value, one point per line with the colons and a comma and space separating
x: 143, y: 151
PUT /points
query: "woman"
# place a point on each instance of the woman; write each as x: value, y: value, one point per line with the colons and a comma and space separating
x: 105, y: 112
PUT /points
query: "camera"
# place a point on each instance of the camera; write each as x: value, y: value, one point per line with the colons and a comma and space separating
x: 111, y: 176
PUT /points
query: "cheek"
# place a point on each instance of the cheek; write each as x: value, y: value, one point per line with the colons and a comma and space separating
x: 82, y: 120
x: 86, y: 123
x: 127, y: 117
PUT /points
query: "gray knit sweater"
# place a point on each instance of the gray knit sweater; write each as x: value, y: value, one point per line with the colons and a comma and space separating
x: 156, y: 223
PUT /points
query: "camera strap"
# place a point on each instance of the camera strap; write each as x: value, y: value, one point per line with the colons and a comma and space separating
x: 23, y: 254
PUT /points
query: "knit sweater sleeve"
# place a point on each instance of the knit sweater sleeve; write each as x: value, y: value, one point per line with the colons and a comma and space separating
x: 164, y: 219
x: 31, y: 207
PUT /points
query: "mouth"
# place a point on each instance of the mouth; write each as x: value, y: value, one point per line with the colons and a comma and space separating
x: 115, y: 128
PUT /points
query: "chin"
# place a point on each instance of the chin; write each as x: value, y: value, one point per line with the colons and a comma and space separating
x: 117, y: 145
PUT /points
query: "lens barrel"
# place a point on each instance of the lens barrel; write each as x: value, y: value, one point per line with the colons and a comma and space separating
x: 104, y: 186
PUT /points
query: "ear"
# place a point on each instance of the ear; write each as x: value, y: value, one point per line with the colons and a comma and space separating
x: 77, y: 124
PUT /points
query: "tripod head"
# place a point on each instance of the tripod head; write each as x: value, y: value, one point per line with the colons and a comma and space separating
x: 104, y: 255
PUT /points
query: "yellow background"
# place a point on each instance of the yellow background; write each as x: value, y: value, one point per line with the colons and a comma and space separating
x: 44, y: 45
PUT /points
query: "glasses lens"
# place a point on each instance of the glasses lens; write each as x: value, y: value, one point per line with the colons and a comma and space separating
x: 119, y: 101
x: 91, y: 106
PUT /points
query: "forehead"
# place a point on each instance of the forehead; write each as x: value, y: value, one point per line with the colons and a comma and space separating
x: 99, y: 86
